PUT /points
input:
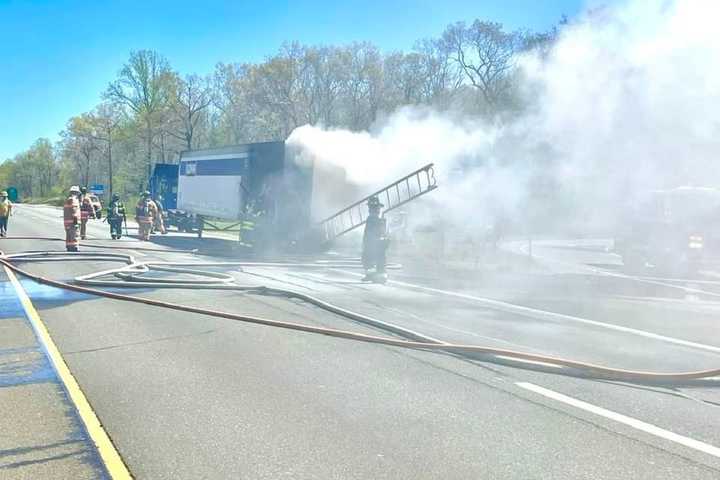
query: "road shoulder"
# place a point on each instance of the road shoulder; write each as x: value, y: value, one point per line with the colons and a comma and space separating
x: 41, y: 435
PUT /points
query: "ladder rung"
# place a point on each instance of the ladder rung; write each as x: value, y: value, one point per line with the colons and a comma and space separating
x: 347, y: 219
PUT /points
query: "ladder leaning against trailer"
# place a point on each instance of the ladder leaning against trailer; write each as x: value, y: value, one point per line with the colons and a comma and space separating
x: 398, y: 193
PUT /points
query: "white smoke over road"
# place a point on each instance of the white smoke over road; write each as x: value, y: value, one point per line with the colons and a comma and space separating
x: 629, y: 98
x: 409, y: 139
x: 626, y: 100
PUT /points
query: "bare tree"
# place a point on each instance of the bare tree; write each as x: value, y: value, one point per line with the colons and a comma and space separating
x: 361, y: 95
x: 144, y: 86
x: 80, y: 143
x: 442, y: 77
x: 404, y: 76
x: 42, y: 159
x: 104, y: 124
x: 486, y: 54
x: 193, y: 96
x: 322, y: 83
x: 230, y: 98
x: 300, y: 85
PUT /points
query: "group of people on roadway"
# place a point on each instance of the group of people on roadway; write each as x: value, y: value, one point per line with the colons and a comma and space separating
x: 80, y: 207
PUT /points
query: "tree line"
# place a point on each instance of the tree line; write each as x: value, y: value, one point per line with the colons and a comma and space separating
x: 150, y: 113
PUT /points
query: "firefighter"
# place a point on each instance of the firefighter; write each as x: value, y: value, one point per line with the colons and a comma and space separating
x: 87, y: 211
x: 71, y: 219
x: 145, y: 212
x: 5, y: 212
x: 375, y: 243
x: 116, y: 216
x: 158, y: 221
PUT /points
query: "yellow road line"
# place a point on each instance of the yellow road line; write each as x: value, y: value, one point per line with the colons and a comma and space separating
x: 109, y: 455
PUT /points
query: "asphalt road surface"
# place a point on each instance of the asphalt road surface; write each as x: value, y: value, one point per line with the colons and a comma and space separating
x: 187, y: 396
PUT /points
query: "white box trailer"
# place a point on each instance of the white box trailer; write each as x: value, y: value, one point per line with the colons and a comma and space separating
x: 221, y: 182
x: 296, y: 192
x: 233, y: 183
x: 211, y: 184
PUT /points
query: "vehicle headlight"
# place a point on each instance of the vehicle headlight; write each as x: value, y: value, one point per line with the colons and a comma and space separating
x: 695, y: 242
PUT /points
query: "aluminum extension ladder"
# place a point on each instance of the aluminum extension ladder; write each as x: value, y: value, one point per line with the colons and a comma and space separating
x: 398, y: 193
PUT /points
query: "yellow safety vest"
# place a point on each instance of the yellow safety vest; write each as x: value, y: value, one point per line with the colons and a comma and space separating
x: 5, y: 207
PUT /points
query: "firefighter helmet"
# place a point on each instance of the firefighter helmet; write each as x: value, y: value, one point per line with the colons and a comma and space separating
x: 3, y: 194
x: 374, y: 202
x: 74, y: 189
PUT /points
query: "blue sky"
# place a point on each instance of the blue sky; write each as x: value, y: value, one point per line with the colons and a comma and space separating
x: 59, y: 55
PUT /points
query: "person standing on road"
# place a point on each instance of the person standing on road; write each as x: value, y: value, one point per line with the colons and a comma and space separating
x: 159, y: 223
x: 5, y: 212
x: 87, y: 211
x: 145, y: 211
x: 375, y: 243
x: 71, y: 219
x: 116, y: 216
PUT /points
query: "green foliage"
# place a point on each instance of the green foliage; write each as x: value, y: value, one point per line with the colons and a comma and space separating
x: 6, y: 173
x: 151, y: 113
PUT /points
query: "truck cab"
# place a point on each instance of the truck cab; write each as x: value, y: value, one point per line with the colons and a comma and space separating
x: 164, y: 183
x: 674, y: 231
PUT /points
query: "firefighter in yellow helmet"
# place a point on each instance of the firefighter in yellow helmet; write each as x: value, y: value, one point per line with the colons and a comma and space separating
x: 5, y: 212
x: 145, y: 212
x: 71, y: 219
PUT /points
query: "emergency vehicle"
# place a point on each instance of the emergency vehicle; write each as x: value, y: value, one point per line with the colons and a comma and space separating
x: 674, y: 231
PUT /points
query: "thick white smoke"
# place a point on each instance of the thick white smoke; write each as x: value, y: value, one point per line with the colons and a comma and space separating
x: 629, y: 97
x: 626, y: 100
x: 409, y: 139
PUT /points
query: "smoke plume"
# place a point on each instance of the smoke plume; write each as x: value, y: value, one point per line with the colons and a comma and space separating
x: 626, y: 100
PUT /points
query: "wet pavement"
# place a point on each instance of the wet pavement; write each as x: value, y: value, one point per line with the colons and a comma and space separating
x: 41, y: 435
x: 191, y: 396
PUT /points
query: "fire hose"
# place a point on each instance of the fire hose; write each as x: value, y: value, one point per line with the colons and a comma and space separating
x: 130, y: 276
x: 88, y: 243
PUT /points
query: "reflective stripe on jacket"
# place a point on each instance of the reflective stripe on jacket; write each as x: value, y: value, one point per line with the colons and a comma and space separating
x: 71, y: 211
x: 145, y: 211
x: 5, y: 208
x: 116, y: 210
x: 86, y: 208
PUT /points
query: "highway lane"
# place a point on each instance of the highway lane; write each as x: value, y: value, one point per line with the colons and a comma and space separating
x: 186, y: 396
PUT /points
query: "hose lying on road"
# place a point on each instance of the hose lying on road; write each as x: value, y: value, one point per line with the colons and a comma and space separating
x: 87, y: 243
x: 130, y: 273
x: 348, y: 263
